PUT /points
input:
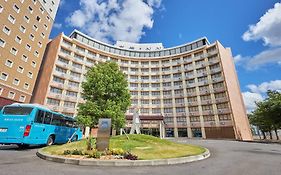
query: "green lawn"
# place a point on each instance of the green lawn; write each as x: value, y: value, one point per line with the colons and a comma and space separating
x: 144, y: 146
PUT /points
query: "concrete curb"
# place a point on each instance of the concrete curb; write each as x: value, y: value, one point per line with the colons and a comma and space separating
x: 94, y: 162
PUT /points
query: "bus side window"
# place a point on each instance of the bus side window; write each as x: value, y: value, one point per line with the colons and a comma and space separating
x: 69, y: 123
x: 39, y: 116
x: 48, y: 118
x: 63, y: 122
x: 56, y: 120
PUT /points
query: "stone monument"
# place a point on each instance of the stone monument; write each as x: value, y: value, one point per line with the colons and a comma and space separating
x: 136, y: 122
x: 103, y: 134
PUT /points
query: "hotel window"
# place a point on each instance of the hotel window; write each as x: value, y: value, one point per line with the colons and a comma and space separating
x: 30, y: 74
x: 11, y: 19
x: 156, y: 111
x: 1, y: 90
x: 223, y: 117
x: 58, y: 80
x: 36, y: 53
x: 192, y: 99
x: 76, y: 65
x: 133, y: 84
x: 24, y: 58
x: 144, y: 102
x: 4, y: 76
x: 178, y: 83
x: 65, y: 51
x: 168, y: 110
x: 220, y: 95
x: 67, y: 42
x: 155, y: 84
x: 1, y: 9
x: 28, y: 47
x: 73, y: 83
x: 56, y: 90
x: 11, y: 95
x: 217, y: 75
x: 16, y: 8
x: 156, y: 101
x: 144, y: 110
x: 45, y: 26
x: 14, y: 51
x: 154, y: 69
x: 167, y: 92
x: 61, y: 70
x: 35, y: 27
x: 193, y: 109
x: 22, y: 98
x: 31, y: 37
x: 65, y: 61
x: 155, y: 93
x: 38, y: 18
x: 205, y: 97
x: 41, y: 9
x: 54, y: 102
x: 200, y: 79
x: 20, y: 69
x: 195, y: 119
x: 146, y: 93
x: 39, y: 44
x: 16, y: 81
x: 179, y: 100
x: 180, y: 109
x: 71, y: 93
x: 155, y: 77
x: 33, y: 64
x: 218, y: 85
x: 144, y: 85
x: 167, y: 101
x: 178, y: 91
x: 18, y: 39
x: 42, y: 35
x: 2, y: 43
x: 30, y: 9
x: 207, y: 107
x: 69, y: 104
x: 48, y: 18
x: 209, y: 118
x: 26, y: 86
x: 22, y: 29
x: 6, y: 30
x: 9, y: 63
x: 167, y: 84
x: 165, y: 68
x: 26, y: 18
x: 177, y: 75
x: 75, y: 74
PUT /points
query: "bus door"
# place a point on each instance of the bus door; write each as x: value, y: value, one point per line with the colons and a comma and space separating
x: 59, y: 128
x: 13, y: 122
x: 40, y: 129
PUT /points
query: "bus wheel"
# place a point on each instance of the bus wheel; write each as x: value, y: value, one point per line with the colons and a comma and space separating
x: 50, y: 140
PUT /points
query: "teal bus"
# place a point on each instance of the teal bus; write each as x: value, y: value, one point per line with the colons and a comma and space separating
x: 32, y: 124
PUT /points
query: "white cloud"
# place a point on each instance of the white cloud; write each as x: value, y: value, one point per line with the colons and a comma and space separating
x: 250, y: 98
x: 113, y: 20
x: 268, y: 28
x: 238, y: 59
x: 62, y: 2
x: 265, y: 86
x: 257, y: 93
x: 57, y: 25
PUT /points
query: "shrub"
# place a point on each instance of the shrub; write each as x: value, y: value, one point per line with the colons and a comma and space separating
x: 77, y: 152
x: 66, y: 152
x: 130, y: 156
x: 117, y: 151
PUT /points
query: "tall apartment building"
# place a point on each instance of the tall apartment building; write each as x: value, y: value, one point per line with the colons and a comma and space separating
x: 25, y: 26
x: 193, y: 86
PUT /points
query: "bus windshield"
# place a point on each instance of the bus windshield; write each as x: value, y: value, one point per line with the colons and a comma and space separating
x: 17, y: 110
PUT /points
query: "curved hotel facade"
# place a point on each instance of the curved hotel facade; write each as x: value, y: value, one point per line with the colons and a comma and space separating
x: 194, y: 87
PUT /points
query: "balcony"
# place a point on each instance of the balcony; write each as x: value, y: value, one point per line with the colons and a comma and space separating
x: 54, y: 95
x: 195, y: 124
x: 221, y: 89
x: 194, y: 113
x: 226, y: 123
x: 202, y: 83
x: 221, y: 100
x: 213, y: 61
x: 206, y: 102
x: 202, y: 74
x: 224, y: 111
x: 216, y: 70
x: 213, y: 52
x: 199, y: 57
x: 191, y: 94
x: 215, y: 80
x: 204, y: 92
x: 209, y: 123
x: 208, y: 112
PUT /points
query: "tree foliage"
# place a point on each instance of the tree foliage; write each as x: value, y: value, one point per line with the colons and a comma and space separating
x: 267, y: 116
x: 107, y: 96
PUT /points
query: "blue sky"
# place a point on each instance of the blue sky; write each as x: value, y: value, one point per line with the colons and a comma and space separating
x: 257, y: 49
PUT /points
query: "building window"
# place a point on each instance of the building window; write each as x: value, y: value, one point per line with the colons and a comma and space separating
x: 30, y: 9
x: 35, y: 27
x: 28, y: 47
x: 46, y: 27
x: 18, y: 39
x: 1, y: 90
x: 16, y: 81
x: 26, y: 86
x: 38, y: 18
x: 12, y: 19
x: 51, y: 101
x: 9, y: 63
x: 26, y: 18
x: 58, y: 80
x: 22, y: 29
x: 33, y: 64
x: 48, y: 18
x: 20, y: 69
x: 14, y: 51
x: 11, y: 95
x: 6, y: 30
x: 69, y: 104
x: 2, y: 43
x: 4, y: 76
x: 1, y: 9
x: 22, y: 98
x: 24, y: 58
x: 39, y: 44
x: 56, y: 90
x: 30, y: 74
x: 31, y: 37
x: 42, y: 10
x: 36, y: 53
x: 16, y: 8
x: 42, y: 35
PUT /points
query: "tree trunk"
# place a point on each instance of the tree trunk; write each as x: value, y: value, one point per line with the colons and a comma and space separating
x: 263, y: 133
x: 276, y: 133
x: 270, y: 134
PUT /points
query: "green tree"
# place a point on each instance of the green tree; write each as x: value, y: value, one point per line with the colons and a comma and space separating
x: 107, y: 96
